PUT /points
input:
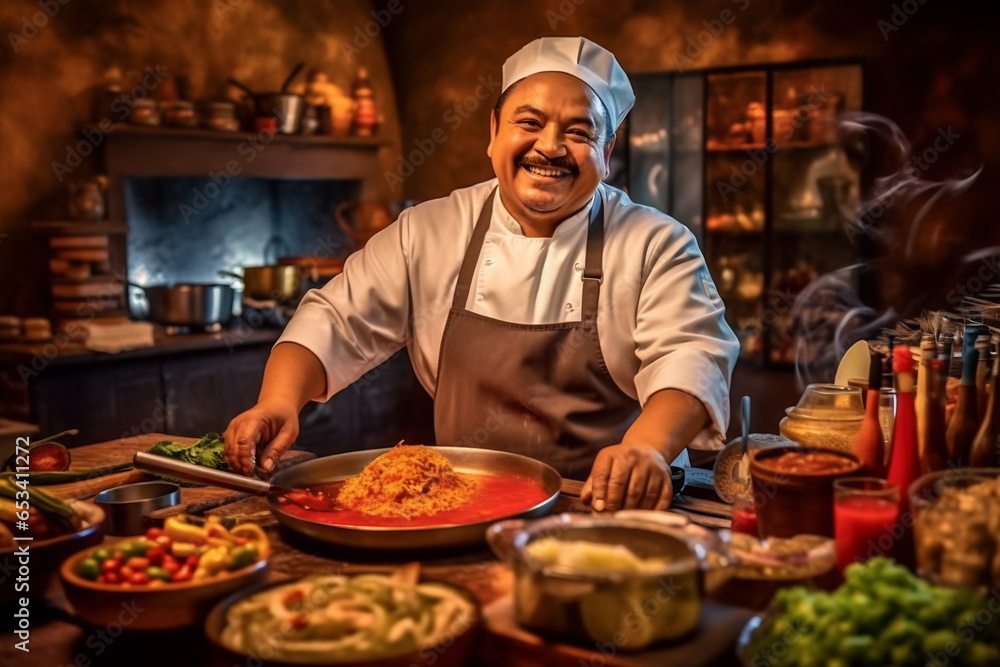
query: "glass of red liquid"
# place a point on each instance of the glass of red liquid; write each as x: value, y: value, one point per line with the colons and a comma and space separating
x: 865, y: 519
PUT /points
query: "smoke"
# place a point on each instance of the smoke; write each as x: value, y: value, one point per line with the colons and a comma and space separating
x: 908, y: 222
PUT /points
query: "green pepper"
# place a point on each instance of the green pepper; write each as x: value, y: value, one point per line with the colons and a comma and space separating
x: 243, y: 556
x: 155, y: 572
x: 137, y: 548
x: 101, y: 555
x: 89, y: 568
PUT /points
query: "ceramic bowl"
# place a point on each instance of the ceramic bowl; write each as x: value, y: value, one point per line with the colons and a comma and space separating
x: 46, y: 555
x: 170, y: 606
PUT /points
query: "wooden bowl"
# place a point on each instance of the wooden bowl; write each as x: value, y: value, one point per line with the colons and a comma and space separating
x: 454, y: 651
x: 173, y: 605
x: 46, y: 555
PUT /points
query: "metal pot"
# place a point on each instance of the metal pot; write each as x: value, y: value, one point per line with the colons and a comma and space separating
x: 288, y: 108
x: 630, y: 609
x: 189, y: 305
x: 270, y: 283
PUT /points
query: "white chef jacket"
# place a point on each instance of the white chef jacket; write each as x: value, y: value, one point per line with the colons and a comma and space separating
x: 660, y: 319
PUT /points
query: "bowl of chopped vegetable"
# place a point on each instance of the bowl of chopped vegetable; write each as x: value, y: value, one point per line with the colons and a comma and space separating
x: 369, y: 619
x: 57, y: 528
x: 882, y: 615
x: 168, y: 578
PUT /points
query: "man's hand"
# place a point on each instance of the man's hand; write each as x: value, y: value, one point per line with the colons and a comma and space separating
x: 271, y: 424
x: 628, y: 476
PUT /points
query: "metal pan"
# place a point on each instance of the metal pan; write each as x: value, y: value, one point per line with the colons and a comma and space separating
x: 341, y: 466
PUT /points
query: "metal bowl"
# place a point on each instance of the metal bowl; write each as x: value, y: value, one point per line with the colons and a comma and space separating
x: 630, y: 609
x: 126, y: 505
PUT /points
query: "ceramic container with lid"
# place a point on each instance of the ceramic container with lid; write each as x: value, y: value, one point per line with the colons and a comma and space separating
x: 827, y: 416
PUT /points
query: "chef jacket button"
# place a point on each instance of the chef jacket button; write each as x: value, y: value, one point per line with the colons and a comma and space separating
x: 578, y: 266
x: 569, y: 306
x: 488, y: 262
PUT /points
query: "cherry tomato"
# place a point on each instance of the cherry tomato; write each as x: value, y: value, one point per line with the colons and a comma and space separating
x: 192, y: 561
x: 126, y: 572
x: 164, y: 541
x: 156, y: 554
x: 101, y: 579
x: 153, y: 533
x: 112, y: 578
x: 137, y: 563
x: 171, y: 566
x: 139, y: 578
x: 183, y: 574
x: 118, y: 554
x: 111, y: 565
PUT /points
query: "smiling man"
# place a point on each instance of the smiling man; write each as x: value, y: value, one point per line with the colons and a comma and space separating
x: 545, y: 312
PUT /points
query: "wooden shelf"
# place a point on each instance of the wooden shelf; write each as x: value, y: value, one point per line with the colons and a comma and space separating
x: 89, y: 280
x: 126, y: 130
x: 79, y: 228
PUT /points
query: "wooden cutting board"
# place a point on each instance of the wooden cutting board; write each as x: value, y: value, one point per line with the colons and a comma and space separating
x: 713, y: 643
x: 122, y: 450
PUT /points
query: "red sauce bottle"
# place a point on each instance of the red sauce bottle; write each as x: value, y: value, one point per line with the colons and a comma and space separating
x: 869, y: 444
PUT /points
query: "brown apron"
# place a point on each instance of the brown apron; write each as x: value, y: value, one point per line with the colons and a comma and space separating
x: 541, y: 390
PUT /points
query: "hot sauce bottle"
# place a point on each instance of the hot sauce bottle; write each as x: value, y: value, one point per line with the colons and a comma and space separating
x: 904, y: 461
x: 869, y: 444
x: 964, y: 421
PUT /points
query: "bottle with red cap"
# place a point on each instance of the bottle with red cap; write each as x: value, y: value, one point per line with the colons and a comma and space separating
x: 904, y: 460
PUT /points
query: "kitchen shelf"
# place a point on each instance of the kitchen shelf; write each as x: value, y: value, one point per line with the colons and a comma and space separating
x: 123, y: 129
x: 712, y: 123
x: 79, y: 228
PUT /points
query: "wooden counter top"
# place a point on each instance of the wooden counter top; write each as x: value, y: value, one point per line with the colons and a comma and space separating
x: 61, y: 641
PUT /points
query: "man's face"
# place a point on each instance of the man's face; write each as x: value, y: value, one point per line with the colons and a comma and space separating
x: 548, y: 149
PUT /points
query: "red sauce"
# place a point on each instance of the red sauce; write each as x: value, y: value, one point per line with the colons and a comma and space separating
x: 496, y: 498
x: 811, y: 463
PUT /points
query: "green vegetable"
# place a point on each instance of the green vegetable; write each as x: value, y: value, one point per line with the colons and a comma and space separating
x: 55, y: 509
x: 208, y: 452
x: 157, y: 573
x: 882, y: 616
x: 136, y: 549
x: 243, y: 556
x: 89, y: 568
x: 101, y: 555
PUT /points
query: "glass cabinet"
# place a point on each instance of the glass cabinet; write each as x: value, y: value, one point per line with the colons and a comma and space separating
x: 749, y: 159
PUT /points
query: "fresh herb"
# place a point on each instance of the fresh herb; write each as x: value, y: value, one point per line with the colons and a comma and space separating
x: 881, y: 616
x: 208, y: 452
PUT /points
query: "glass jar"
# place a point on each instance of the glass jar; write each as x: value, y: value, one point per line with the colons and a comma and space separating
x: 145, y: 112
x: 180, y: 114
x: 827, y: 416
x: 220, y: 116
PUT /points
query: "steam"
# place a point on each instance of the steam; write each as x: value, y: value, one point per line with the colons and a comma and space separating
x: 897, y: 215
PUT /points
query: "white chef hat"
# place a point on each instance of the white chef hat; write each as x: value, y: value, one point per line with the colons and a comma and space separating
x: 579, y: 57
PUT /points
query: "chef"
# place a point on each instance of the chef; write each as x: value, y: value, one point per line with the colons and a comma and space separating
x: 545, y: 312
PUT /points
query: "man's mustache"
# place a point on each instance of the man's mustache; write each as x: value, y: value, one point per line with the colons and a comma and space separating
x: 564, y: 162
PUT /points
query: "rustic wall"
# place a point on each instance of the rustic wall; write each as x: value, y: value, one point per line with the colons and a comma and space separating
x: 935, y: 69
x: 50, y: 66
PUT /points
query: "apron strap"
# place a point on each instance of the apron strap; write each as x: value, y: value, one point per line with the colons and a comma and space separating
x: 593, y: 273
x: 468, y: 270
